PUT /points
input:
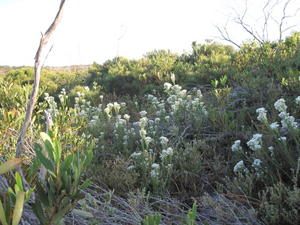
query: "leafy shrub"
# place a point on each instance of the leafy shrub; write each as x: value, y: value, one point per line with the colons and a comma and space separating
x: 59, y: 186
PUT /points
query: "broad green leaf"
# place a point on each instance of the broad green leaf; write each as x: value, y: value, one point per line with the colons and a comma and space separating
x: 57, y: 151
x: 46, y: 162
x: 2, y: 215
x: 18, y: 210
x: 10, y: 165
x: 45, y: 137
x: 48, y: 144
x: 50, y: 149
x: 19, y: 182
x: 28, y: 194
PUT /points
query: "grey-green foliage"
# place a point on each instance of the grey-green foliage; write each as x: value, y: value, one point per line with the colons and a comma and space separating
x: 59, y: 191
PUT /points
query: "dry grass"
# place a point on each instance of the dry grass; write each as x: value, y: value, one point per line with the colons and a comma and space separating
x: 109, y: 209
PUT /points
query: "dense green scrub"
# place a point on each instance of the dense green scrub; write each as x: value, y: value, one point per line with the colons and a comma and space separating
x: 213, y: 120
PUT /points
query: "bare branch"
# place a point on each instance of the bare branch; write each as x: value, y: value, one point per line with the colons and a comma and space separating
x: 267, y: 13
x: 249, y: 30
x: 225, y: 35
x: 39, y: 60
x: 283, y: 18
x: 261, y: 35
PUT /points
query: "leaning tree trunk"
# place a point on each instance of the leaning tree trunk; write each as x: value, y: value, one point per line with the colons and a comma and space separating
x: 40, y: 58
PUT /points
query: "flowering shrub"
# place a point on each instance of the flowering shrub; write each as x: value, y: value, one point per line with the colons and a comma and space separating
x: 150, y: 142
x: 272, y: 161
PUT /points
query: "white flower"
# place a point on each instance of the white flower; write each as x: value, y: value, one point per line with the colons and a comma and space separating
x: 176, y: 88
x: 166, y: 152
x: 86, y: 88
x: 282, y: 139
x: 143, y: 113
x: 120, y: 122
x: 101, y: 97
x: 239, y: 166
x: 167, y: 118
x: 143, y: 122
x: 163, y: 140
x: 117, y: 107
x: 130, y: 167
x: 262, y: 114
x: 110, y: 105
x: 155, y: 166
x: 123, y: 104
x: 143, y: 133
x: 182, y: 93
x: 256, y: 142
x: 283, y: 115
x: 157, y: 120
x: 136, y: 154
x: 256, y: 163
x: 107, y: 110
x: 126, y: 117
x: 236, y: 146
x: 280, y: 105
x: 297, y: 100
x: 167, y: 86
x: 199, y: 94
x: 148, y: 140
x: 154, y: 173
x: 169, y: 166
x: 274, y: 126
x: 289, y: 121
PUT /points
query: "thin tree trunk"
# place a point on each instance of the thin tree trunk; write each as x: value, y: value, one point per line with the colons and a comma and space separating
x: 40, y: 58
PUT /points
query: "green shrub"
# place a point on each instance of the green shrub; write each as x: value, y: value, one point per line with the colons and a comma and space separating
x: 58, y: 189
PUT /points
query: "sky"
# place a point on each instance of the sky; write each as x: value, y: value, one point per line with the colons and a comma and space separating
x: 98, y: 30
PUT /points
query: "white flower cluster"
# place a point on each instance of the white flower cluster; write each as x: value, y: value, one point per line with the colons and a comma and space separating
x: 163, y: 140
x: 236, y: 146
x: 274, y: 126
x: 180, y: 100
x: 280, y: 105
x: 239, y: 167
x: 255, y: 143
x: 257, y: 164
x: 146, y: 134
x: 297, y: 100
x: 52, y: 105
x: 63, y: 96
x: 262, y: 114
x: 165, y: 153
x: 155, y: 170
x: 287, y: 121
x: 112, y: 106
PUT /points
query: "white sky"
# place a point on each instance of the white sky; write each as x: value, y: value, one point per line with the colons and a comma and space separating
x: 91, y: 28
